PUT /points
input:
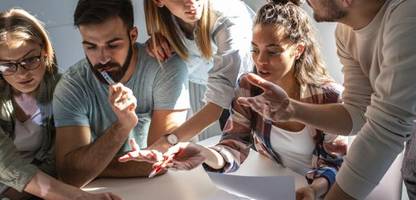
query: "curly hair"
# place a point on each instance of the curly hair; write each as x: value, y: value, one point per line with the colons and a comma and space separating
x: 289, y: 16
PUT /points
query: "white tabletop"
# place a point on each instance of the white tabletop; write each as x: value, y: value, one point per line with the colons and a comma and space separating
x: 188, y: 185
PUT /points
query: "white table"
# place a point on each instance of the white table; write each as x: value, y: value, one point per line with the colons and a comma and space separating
x: 188, y: 185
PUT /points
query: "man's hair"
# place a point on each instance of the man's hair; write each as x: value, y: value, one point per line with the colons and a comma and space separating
x: 97, y: 11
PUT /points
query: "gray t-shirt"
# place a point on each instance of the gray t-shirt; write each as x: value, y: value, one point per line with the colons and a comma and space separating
x: 80, y: 99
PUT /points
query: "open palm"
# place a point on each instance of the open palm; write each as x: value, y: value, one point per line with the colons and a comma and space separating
x: 273, y: 104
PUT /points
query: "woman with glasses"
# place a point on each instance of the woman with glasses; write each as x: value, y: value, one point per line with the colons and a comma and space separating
x: 285, y: 52
x: 28, y: 75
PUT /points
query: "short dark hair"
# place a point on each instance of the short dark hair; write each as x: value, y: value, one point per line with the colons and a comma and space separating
x: 97, y: 11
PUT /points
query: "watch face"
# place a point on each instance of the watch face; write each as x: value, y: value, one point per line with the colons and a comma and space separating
x: 172, y: 139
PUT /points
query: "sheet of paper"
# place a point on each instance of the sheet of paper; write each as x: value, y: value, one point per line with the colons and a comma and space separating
x: 223, y: 195
x: 256, y: 187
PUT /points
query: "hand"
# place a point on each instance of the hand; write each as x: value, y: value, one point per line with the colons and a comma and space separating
x: 183, y: 156
x: 150, y: 156
x: 338, y: 146
x: 123, y: 103
x: 305, y: 193
x: 102, y: 196
x: 161, y: 49
x: 273, y: 104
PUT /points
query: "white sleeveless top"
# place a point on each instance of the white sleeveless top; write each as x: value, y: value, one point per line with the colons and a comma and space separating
x: 295, y: 148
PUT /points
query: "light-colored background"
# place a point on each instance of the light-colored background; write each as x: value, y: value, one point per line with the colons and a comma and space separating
x: 58, y: 17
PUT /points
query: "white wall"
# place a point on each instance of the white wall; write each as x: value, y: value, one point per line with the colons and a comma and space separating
x: 57, y: 15
x: 58, y: 18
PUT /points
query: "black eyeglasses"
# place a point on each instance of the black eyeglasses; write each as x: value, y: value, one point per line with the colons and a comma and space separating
x: 31, y: 63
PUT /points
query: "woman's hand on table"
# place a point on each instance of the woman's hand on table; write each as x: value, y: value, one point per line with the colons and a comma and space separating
x: 183, y: 156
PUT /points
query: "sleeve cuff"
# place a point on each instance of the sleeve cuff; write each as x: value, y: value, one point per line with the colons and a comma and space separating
x: 324, y: 172
x: 229, y: 166
x: 23, y: 177
x: 353, y: 184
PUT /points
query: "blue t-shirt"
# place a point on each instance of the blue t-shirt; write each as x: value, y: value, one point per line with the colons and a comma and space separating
x: 80, y: 99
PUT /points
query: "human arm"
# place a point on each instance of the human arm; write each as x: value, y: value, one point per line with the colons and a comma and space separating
x: 237, y: 140
x: 163, y: 122
x: 78, y: 160
x: 46, y: 187
x: 15, y: 171
x: 275, y: 104
x: 391, y: 114
x: 313, y: 191
x: 230, y: 57
x: 187, y: 156
x: 198, y: 122
x: 22, y: 176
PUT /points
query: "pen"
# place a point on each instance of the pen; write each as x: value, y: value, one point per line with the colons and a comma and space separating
x: 107, y: 77
x: 158, y: 168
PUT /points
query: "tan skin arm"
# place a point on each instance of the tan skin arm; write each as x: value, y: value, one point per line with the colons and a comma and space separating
x: 332, y: 118
x: 78, y: 160
x: 46, y: 187
x: 194, y: 125
x: 199, y: 121
x: 162, y: 122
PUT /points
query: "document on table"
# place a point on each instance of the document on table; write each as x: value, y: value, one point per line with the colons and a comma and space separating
x: 256, y: 187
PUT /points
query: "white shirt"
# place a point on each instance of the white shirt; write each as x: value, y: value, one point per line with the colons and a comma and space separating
x: 295, y: 148
x: 231, y: 43
x: 380, y: 92
x: 28, y: 135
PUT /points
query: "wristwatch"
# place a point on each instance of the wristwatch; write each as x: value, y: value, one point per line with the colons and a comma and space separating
x: 172, y: 139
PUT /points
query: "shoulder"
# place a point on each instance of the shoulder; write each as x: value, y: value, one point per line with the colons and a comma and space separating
x: 74, y: 77
x: 344, y: 35
x: 400, y: 9
x: 342, y: 30
x: 76, y: 71
x: 400, y: 16
x: 174, y: 63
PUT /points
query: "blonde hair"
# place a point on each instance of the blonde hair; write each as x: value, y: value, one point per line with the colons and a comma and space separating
x: 159, y: 20
x: 16, y: 27
x: 286, y: 14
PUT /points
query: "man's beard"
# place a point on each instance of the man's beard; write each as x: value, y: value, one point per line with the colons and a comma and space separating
x: 117, y: 74
x: 333, y: 12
